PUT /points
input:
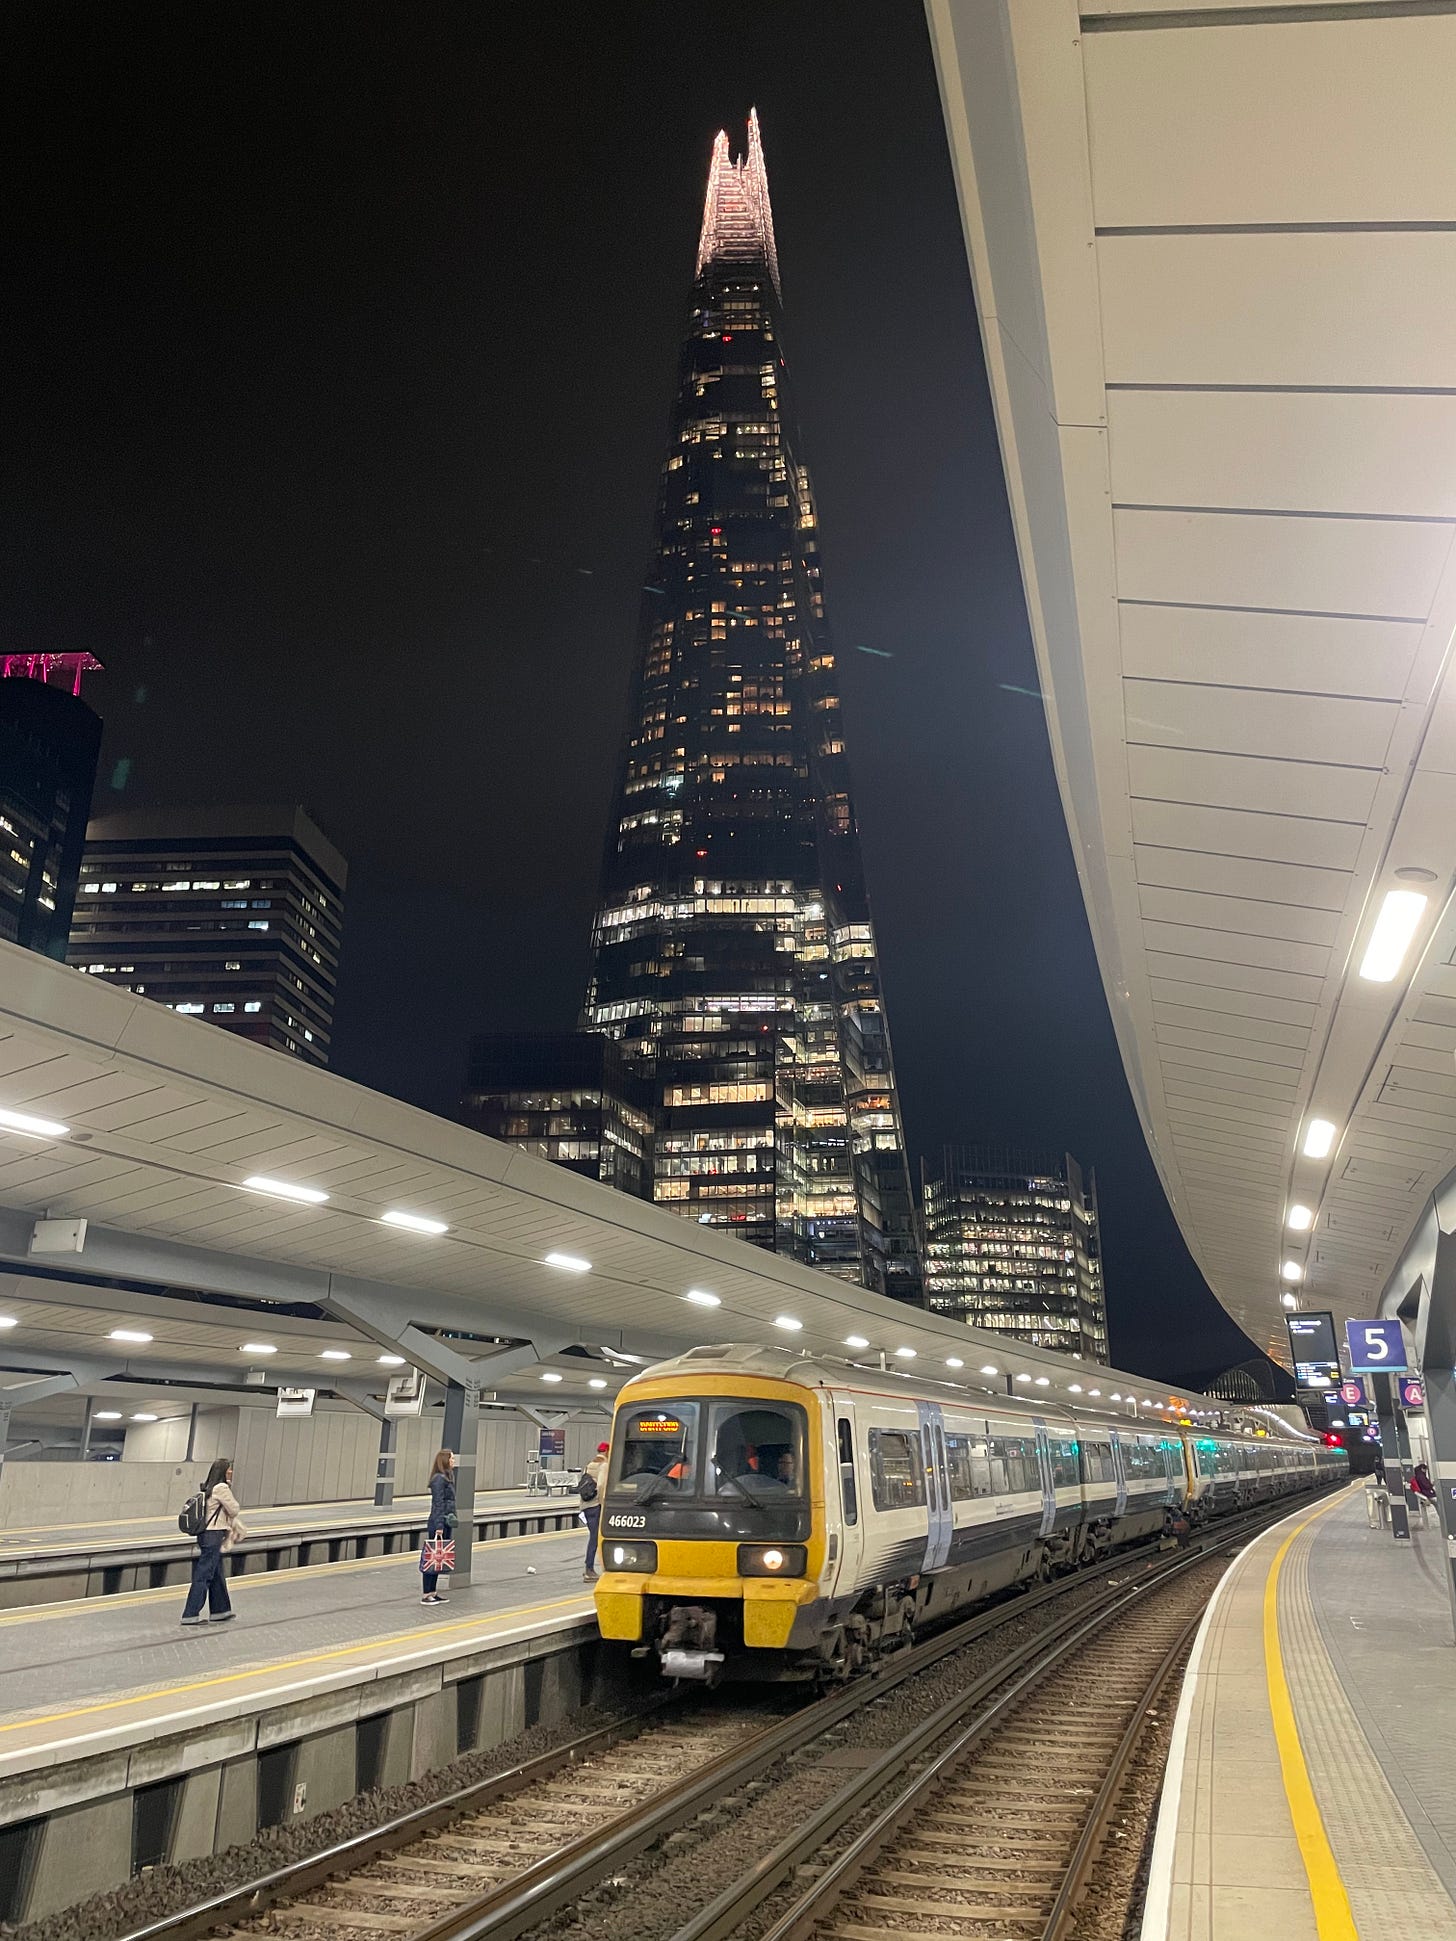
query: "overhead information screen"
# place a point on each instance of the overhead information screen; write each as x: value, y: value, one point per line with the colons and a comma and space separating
x: 1313, y: 1351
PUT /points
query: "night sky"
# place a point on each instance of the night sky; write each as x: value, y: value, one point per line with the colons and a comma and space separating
x: 338, y: 348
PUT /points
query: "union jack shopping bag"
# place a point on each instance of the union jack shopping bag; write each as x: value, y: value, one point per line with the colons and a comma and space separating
x: 437, y: 1553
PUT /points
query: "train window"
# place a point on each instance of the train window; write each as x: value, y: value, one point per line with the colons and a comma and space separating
x: 968, y: 1460
x: 1063, y: 1453
x: 1013, y: 1465
x: 897, y: 1469
x: 1097, y: 1462
x: 847, y: 1490
x: 756, y: 1448
x: 654, y: 1449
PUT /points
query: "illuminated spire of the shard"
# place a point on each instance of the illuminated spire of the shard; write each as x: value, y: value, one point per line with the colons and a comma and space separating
x: 737, y: 215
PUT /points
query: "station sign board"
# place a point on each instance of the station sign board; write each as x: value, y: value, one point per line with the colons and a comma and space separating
x: 405, y: 1394
x: 1352, y: 1393
x: 1376, y: 1347
x: 1412, y: 1392
x: 1313, y: 1351
x: 296, y: 1401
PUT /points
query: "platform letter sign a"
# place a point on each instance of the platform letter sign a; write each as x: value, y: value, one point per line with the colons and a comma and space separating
x: 1376, y: 1347
x: 1412, y: 1393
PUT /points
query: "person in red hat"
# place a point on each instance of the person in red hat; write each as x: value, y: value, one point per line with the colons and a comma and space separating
x: 593, y: 1480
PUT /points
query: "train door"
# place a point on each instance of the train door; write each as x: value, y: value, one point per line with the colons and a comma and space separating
x: 1119, y: 1471
x: 1044, y: 1472
x: 844, y: 1484
x: 937, y: 1484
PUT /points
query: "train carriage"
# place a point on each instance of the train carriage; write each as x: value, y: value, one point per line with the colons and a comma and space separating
x: 770, y: 1516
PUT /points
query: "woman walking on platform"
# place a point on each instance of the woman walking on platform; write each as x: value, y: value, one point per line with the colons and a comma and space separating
x: 437, y: 1557
x: 222, y: 1528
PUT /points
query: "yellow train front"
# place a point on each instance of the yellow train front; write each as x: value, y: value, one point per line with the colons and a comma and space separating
x: 712, y: 1525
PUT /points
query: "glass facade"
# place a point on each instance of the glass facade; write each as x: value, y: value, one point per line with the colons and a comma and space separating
x: 733, y: 954
x: 567, y: 1097
x: 49, y: 741
x: 1012, y: 1243
x: 232, y: 915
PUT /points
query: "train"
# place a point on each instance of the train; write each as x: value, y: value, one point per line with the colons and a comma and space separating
x: 772, y: 1517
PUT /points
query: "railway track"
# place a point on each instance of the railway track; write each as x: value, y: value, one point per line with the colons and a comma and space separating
x: 535, y: 1844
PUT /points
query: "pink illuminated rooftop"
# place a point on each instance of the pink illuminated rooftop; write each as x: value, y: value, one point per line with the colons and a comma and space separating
x: 737, y: 218
x: 40, y: 667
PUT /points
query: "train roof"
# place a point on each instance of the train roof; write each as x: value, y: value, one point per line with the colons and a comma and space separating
x: 822, y: 1371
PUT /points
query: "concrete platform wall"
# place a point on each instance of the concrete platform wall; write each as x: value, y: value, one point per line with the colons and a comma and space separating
x: 72, y: 1831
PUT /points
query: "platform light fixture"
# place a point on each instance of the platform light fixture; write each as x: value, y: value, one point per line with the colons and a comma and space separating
x: 144, y: 1416
x: 1299, y: 1219
x: 905, y: 1354
x: 139, y: 1335
x: 856, y: 1341
x: 550, y: 1375
x: 568, y: 1263
x: 989, y: 1368
x: 1043, y: 1381
x: 9, y: 1320
x: 954, y: 1361
x: 335, y: 1354
x: 700, y: 1297
x: 1291, y: 1271
x: 36, y: 1128
x: 1074, y: 1388
x: 257, y: 1348
x: 284, y: 1189
x: 1094, y: 1391
x: 106, y: 1415
x: 391, y: 1361
x: 597, y: 1381
x: 1399, y: 919
x: 1114, y: 1398
x: 1023, y: 1378
x: 413, y: 1222
x: 788, y: 1323
x: 1289, y: 1300
x: 1319, y: 1138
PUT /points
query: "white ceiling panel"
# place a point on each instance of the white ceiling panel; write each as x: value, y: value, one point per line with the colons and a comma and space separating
x: 1315, y: 889
x: 1282, y: 786
x: 1297, y: 652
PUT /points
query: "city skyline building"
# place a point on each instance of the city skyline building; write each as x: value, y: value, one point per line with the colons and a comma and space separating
x: 566, y: 1096
x: 1013, y: 1243
x: 49, y: 743
x: 234, y: 915
x: 734, y: 957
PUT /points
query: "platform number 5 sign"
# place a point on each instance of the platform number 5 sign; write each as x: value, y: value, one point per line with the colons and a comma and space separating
x: 1376, y: 1347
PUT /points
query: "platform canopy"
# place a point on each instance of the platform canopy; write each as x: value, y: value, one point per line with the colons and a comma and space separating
x: 1214, y: 255
x: 148, y: 1127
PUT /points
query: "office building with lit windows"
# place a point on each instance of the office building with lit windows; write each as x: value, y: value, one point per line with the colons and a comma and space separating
x: 234, y: 915
x: 733, y: 955
x: 566, y: 1096
x: 49, y: 741
x: 1012, y: 1243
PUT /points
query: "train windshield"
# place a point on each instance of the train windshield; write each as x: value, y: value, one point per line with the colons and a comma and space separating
x: 711, y: 1450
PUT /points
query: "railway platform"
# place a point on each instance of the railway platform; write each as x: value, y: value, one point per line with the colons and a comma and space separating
x: 1308, y: 1793
x: 329, y: 1680
x: 43, y: 1563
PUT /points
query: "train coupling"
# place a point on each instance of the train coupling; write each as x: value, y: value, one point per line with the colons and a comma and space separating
x: 678, y: 1662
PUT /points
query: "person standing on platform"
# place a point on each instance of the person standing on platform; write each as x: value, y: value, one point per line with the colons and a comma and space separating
x: 593, y: 1480
x: 222, y: 1528
x: 438, y: 1553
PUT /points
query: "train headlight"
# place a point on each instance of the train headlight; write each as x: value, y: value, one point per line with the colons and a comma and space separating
x: 631, y: 1556
x: 772, y: 1559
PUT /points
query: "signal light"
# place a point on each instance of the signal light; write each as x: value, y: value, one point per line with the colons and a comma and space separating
x: 1332, y: 1441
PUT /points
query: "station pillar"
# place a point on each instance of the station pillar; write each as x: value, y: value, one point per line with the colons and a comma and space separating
x: 384, y: 1474
x: 462, y: 1434
x: 1394, y: 1449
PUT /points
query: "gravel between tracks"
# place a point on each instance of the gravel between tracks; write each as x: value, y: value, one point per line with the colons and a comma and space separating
x: 168, y: 1890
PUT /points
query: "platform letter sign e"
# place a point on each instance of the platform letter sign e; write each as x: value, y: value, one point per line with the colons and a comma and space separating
x: 1376, y: 1347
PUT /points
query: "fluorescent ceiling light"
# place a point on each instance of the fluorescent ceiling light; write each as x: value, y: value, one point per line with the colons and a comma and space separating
x: 1043, y: 1381
x: 787, y: 1323
x: 106, y: 1415
x: 1400, y: 916
x: 990, y: 1368
x: 855, y: 1341
x: 1299, y: 1219
x: 391, y: 1361
x: 1291, y: 1271
x: 1023, y: 1378
x: 549, y: 1375
x: 9, y: 1320
x: 144, y: 1418
x: 700, y: 1297
x: 335, y: 1354
x: 954, y: 1361
x: 1289, y: 1300
x: 39, y: 1128
x: 596, y: 1381
x: 571, y: 1263
x: 128, y: 1334
x: 1094, y: 1391
x: 906, y: 1354
x: 1114, y: 1398
x: 283, y: 1189
x: 414, y: 1222
x: 1319, y: 1137
x: 257, y: 1348
x: 1075, y: 1388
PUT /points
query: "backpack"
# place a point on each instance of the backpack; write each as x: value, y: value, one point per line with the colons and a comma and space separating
x: 586, y: 1489
x: 192, y: 1518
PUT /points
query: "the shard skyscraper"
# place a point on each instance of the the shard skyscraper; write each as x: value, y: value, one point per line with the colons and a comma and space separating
x: 734, y: 958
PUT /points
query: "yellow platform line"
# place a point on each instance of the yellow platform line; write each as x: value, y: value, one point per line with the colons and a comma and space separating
x: 156, y: 1697
x: 1333, y: 1918
x: 169, y: 1593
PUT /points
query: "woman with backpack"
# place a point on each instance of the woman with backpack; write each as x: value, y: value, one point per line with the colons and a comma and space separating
x: 437, y: 1556
x: 590, y: 1491
x: 222, y: 1526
